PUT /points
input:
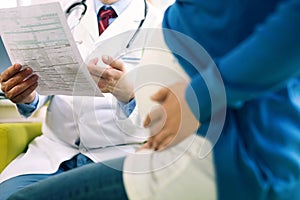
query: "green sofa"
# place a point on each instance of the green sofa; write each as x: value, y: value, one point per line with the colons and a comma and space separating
x: 14, y: 139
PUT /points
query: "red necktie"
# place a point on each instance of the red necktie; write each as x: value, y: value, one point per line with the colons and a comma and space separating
x: 104, y: 16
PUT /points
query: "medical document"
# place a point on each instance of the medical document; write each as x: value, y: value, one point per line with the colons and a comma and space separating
x: 38, y: 36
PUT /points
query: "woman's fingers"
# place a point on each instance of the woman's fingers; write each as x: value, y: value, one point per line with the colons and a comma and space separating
x: 161, y: 95
x: 156, y: 115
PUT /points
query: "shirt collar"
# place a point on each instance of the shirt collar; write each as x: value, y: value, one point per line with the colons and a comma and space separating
x: 119, y: 6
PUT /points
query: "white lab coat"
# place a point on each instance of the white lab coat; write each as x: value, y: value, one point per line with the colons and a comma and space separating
x: 95, y: 120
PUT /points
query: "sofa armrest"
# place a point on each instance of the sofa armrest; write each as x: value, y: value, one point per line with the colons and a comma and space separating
x: 14, y: 139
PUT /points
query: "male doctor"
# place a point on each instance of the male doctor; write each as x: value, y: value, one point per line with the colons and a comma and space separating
x: 80, y: 130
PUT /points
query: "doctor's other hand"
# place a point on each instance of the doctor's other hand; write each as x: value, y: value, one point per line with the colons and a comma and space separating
x: 111, y: 79
x: 172, y: 121
x: 19, y: 84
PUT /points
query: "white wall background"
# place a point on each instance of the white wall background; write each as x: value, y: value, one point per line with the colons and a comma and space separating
x: 8, y: 3
x: 14, y: 3
x: 162, y: 4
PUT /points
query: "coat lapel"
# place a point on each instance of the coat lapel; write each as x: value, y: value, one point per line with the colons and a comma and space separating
x: 89, y: 21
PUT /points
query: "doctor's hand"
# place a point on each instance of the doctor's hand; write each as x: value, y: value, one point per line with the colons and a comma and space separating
x: 111, y: 79
x: 19, y: 84
x: 172, y: 121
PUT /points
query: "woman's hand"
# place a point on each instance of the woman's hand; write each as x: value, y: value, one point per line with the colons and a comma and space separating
x: 19, y: 84
x: 173, y: 121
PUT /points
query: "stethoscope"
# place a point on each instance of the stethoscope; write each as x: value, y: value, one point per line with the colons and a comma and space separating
x: 81, y: 7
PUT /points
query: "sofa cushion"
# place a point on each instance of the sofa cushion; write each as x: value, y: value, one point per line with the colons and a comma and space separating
x: 14, y: 139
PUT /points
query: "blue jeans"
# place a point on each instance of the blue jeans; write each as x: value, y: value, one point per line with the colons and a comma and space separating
x: 15, y: 184
x: 93, y: 181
